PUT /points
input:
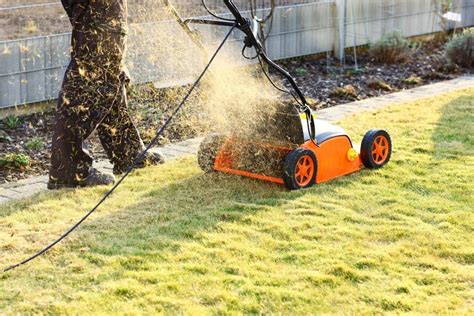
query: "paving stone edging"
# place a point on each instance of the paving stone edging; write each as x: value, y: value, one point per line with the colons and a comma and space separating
x: 29, y: 187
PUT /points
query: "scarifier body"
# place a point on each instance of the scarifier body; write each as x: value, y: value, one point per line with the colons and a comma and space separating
x: 286, y: 144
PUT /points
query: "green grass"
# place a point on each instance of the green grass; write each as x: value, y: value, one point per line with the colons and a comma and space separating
x: 175, y: 240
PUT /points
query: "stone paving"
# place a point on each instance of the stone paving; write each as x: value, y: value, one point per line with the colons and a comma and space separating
x: 29, y: 187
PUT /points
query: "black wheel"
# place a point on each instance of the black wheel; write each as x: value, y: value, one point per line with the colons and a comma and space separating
x: 376, y: 149
x: 300, y: 169
x: 208, y: 151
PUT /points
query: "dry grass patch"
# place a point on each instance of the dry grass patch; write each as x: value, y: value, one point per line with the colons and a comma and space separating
x: 177, y: 241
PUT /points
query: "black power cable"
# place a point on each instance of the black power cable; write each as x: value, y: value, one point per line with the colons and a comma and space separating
x: 131, y: 167
x: 263, y: 38
x: 275, y: 85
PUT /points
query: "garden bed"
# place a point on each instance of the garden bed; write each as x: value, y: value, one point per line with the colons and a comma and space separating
x: 321, y: 79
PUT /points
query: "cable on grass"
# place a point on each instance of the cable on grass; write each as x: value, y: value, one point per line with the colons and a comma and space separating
x: 131, y: 167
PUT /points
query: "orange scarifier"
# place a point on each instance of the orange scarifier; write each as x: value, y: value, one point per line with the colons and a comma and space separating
x: 287, y: 144
x: 301, y: 159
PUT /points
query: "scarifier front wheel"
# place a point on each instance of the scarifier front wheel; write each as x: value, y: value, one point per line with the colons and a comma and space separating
x: 208, y: 151
x: 300, y: 169
x: 376, y: 149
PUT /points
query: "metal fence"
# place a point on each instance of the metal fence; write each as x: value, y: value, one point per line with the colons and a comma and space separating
x: 32, y: 67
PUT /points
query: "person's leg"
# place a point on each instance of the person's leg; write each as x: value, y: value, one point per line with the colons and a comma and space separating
x: 119, y: 135
x: 77, y: 116
x: 69, y: 161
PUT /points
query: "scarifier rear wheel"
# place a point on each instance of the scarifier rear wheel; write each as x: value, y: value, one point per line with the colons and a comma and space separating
x: 300, y: 169
x: 208, y: 151
x: 376, y: 149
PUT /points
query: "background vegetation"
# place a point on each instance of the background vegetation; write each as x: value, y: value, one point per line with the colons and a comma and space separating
x: 460, y: 49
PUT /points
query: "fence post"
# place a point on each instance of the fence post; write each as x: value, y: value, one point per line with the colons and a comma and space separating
x: 340, y: 40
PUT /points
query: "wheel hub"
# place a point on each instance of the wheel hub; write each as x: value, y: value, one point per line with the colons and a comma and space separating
x: 304, y: 170
x: 380, y: 149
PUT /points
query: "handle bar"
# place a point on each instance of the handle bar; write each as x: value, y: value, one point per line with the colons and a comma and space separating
x: 235, y: 12
x: 245, y: 26
x: 251, y: 40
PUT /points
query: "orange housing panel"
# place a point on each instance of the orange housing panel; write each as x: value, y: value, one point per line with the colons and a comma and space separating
x: 332, y: 155
x: 332, y: 158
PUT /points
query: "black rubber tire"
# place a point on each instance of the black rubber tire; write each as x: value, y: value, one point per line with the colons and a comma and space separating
x: 289, y: 168
x: 366, y: 148
x: 208, y: 151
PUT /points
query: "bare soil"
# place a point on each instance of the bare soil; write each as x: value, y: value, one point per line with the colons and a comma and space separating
x: 320, y: 78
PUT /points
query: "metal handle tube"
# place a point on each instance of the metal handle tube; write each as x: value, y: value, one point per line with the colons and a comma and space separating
x: 285, y: 74
x: 184, y: 25
x: 244, y: 25
x: 210, y: 22
x: 235, y: 12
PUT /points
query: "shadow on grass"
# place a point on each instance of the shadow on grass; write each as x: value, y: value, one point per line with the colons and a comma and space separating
x: 184, y: 210
x: 187, y: 208
x: 454, y: 133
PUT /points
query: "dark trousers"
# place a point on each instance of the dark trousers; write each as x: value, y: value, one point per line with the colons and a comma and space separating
x: 93, y: 95
x: 82, y: 108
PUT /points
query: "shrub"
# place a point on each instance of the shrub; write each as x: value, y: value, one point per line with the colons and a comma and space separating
x: 460, y: 49
x: 413, y: 80
x: 392, y: 48
x: 379, y: 85
x: 34, y: 144
x: 348, y: 91
x: 12, y: 121
x: 15, y: 161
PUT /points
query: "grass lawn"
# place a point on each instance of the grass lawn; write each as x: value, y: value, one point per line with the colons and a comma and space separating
x: 175, y: 240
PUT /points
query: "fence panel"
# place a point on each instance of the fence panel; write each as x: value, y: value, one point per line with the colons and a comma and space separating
x: 32, y: 69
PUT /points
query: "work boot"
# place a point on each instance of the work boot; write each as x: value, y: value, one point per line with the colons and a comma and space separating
x: 151, y: 159
x: 94, y: 178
